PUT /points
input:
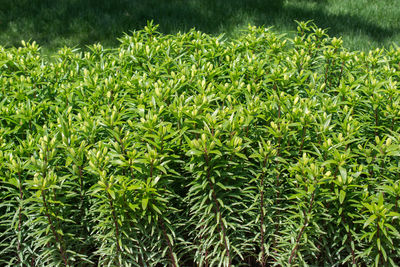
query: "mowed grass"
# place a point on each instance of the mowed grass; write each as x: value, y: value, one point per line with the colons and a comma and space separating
x: 363, y: 24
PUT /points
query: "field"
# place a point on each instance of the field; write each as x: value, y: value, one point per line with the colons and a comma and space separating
x: 363, y: 24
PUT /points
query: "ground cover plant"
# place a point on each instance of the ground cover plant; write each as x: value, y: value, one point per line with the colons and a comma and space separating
x: 191, y: 150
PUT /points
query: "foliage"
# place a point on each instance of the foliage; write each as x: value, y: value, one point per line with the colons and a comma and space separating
x: 189, y: 149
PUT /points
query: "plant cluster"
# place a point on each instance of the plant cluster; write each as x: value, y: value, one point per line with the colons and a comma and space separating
x: 188, y: 149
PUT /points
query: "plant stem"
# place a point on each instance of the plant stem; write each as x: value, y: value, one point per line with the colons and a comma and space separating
x: 277, y: 193
x: 302, y: 139
x: 326, y: 73
x: 262, y: 213
x: 279, y: 99
x: 350, y: 239
x: 81, y: 193
x: 293, y: 253
x: 378, y: 236
x: 376, y: 121
x: 340, y: 74
x: 50, y: 221
x: 206, y: 251
x: 19, y: 216
x: 115, y: 222
x: 171, y: 254
x: 217, y: 210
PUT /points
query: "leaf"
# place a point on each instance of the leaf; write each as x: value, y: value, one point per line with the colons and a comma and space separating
x: 133, y: 206
x: 370, y: 220
x: 111, y: 192
x: 380, y: 200
x: 378, y: 243
x: 162, y: 169
x: 156, y: 209
x: 221, y: 185
x: 342, y: 196
x: 134, y: 187
x: 145, y: 201
x: 343, y: 174
x: 216, y: 152
x: 119, y: 163
x: 240, y: 155
x: 68, y: 161
x: 194, y: 152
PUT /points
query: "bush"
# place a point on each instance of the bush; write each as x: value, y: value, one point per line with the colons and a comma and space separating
x: 190, y: 149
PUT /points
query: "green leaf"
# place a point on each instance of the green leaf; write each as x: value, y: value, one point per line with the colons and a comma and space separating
x: 380, y: 200
x: 68, y: 161
x: 156, y: 209
x: 133, y: 206
x: 377, y: 260
x: 343, y: 174
x: 342, y: 196
x: 145, y: 201
x: 370, y: 220
x: 221, y: 185
x: 111, y: 192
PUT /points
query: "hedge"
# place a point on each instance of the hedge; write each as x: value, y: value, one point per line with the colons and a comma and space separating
x: 194, y: 150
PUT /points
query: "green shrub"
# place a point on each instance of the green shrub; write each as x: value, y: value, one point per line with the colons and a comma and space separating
x: 190, y: 149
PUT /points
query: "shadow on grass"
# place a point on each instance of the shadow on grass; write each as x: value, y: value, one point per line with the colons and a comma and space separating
x: 54, y: 23
x: 340, y: 24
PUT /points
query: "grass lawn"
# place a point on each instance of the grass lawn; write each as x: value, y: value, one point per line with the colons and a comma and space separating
x: 363, y: 24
